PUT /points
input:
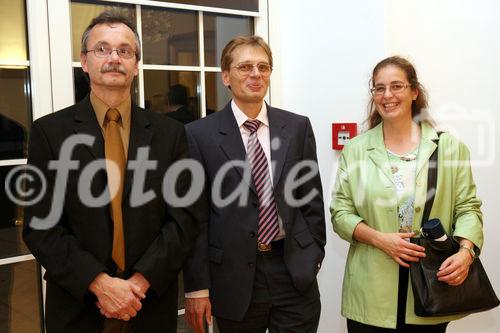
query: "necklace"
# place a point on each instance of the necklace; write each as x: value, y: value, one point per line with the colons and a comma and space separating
x: 409, y: 157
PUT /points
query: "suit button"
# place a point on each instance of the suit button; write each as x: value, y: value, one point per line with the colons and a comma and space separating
x: 250, y: 264
x: 418, y: 209
x: 255, y: 204
x: 252, y: 234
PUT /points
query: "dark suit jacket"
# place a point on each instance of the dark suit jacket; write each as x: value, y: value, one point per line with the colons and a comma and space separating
x: 183, y: 114
x: 225, y: 254
x: 158, y: 237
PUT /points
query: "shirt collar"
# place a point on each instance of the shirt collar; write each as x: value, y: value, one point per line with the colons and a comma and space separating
x: 241, y: 117
x: 100, y: 109
x: 376, y: 139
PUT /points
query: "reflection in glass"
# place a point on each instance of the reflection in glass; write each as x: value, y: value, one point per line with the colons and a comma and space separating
x: 11, y: 219
x: 13, y: 38
x: 82, y: 86
x: 83, y: 11
x: 169, y: 37
x: 174, y: 93
x: 219, y: 30
x: 20, y: 298
x: 15, y: 112
x: 217, y: 95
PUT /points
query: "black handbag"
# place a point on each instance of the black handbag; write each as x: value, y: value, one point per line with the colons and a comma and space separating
x: 434, y: 298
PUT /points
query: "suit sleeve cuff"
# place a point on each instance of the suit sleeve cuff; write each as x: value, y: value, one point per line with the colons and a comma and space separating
x: 197, y: 294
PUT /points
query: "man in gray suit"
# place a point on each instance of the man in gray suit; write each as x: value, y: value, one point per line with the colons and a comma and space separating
x: 262, y: 242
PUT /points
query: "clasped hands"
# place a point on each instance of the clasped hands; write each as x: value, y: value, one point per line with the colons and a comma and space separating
x: 118, y: 298
x: 453, y: 271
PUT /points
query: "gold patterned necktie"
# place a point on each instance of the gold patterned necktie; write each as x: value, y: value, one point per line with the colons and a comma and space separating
x: 114, y: 152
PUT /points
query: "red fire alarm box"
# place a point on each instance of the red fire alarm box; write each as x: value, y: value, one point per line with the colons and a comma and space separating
x: 342, y: 133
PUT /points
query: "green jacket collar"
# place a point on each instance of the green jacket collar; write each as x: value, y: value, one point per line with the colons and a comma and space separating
x: 378, y: 154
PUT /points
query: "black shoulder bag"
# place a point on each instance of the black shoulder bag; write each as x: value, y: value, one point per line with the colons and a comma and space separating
x: 435, y: 298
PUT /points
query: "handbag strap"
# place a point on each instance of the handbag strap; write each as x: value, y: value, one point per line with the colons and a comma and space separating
x: 431, y: 181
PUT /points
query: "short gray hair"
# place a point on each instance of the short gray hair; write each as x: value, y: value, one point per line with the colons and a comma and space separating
x: 108, y: 17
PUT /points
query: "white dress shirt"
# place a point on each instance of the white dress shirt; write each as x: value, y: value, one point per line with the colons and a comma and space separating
x: 264, y: 137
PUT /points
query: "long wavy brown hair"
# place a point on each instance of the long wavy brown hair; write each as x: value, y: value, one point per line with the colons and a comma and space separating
x: 418, y: 107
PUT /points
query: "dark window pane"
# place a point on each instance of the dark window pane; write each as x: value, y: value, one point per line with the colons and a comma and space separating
x: 174, y: 93
x: 169, y: 37
x: 20, y: 298
x: 217, y: 94
x: 83, y: 11
x: 13, y: 40
x: 219, y: 30
x: 15, y: 112
x: 182, y: 326
x: 250, y: 5
x: 82, y: 87
x: 11, y: 218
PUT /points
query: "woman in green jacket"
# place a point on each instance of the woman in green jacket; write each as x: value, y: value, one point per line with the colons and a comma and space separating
x: 378, y: 203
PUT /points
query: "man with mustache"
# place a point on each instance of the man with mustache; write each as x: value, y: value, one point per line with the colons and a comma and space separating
x: 255, y: 262
x: 111, y: 267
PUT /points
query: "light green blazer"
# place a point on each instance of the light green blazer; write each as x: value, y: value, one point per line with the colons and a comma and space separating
x: 365, y: 191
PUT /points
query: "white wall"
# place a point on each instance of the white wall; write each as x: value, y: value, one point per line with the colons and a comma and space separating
x: 324, y: 52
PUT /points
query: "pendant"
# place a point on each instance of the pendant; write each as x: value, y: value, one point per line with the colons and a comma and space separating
x: 394, y: 169
x: 405, y: 228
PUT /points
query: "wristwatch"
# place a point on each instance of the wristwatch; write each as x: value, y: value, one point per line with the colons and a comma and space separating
x: 470, y: 250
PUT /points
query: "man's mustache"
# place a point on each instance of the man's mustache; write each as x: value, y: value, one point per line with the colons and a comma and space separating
x: 111, y: 67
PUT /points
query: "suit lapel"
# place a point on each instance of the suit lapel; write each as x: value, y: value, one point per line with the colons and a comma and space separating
x: 86, y: 123
x: 427, y: 147
x: 279, y: 142
x: 140, y: 136
x: 378, y: 154
x: 231, y: 142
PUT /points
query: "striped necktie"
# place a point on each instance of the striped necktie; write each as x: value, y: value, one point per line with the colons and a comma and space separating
x: 268, y: 212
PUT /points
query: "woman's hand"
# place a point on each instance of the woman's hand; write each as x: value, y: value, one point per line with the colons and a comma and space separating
x: 455, y: 269
x: 396, y: 245
x: 399, y: 248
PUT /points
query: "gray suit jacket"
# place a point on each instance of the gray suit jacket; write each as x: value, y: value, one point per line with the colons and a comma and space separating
x: 224, y: 257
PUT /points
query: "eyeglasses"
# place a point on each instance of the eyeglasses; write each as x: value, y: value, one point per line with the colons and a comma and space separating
x: 246, y: 68
x: 395, y: 88
x: 122, y: 52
